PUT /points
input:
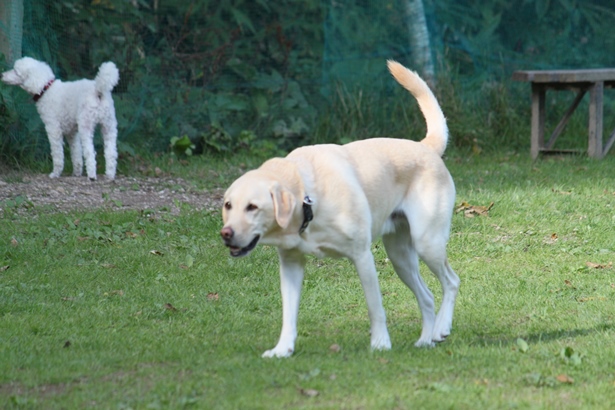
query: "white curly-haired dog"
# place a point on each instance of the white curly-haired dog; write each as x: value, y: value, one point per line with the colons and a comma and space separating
x: 72, y: 109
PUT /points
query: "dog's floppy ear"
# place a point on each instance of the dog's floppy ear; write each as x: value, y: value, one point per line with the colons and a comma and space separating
x: 283, y: 204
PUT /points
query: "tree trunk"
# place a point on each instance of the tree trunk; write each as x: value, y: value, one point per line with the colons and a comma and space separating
x: 419, y: 40
x: 11, y: 29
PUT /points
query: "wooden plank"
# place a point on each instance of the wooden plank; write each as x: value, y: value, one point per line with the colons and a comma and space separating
x: 562, y: 151
x: 538, y: 119
x: 609, y: 143
x: 565, y: 76
x: 594, y: 149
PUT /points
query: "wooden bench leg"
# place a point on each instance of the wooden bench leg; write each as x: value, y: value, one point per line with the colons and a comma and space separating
x: 562, y: 124
x: 596, y: 92
x: 538, y: 119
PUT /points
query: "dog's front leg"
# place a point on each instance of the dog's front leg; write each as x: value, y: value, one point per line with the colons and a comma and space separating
x: 54, y: 134
x: 292, y: 265
x: 366, y: 268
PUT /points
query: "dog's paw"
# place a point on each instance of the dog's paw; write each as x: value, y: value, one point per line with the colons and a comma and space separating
x: 54, y: 175
x: 422, y: 343
x: 441, y: 330
x: 438, y: 338
x: 383, y: 343
x: 278, y: 352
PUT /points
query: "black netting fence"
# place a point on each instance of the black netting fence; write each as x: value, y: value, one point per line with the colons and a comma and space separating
x: 267, y: 75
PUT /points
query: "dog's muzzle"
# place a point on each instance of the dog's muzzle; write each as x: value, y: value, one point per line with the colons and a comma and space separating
x: 227, y: 234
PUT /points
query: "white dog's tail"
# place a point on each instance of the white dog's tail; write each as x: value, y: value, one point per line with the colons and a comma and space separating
x: 437, y: 130
x: 107, y: 77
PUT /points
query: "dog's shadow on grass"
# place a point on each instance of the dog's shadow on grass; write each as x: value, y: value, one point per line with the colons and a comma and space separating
x: 537, y: 337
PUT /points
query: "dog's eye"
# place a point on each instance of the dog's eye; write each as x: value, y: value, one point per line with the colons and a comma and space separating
x: 227, y: 206
x: 251, y: 207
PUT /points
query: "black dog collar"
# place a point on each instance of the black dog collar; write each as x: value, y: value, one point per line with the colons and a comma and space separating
x: 308, y: 215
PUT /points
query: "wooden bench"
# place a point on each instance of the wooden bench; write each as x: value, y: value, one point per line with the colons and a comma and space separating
x: 581, y: 81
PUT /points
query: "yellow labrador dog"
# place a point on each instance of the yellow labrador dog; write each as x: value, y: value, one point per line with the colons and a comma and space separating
x: 332, y: 200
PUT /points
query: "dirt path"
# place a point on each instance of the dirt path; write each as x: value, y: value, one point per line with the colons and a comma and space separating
x: 73, y: 193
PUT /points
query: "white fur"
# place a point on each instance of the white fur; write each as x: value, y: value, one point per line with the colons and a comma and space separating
x: 72, y: 109
x: 399, y: 190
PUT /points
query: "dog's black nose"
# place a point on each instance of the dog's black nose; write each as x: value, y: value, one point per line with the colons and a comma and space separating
x: 227, y: 233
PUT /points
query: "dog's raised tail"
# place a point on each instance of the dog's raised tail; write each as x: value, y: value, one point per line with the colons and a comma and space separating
x: 107, y: 77
x: 437, y: 130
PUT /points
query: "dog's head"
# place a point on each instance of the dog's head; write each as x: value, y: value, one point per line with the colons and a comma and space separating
x: 255, y: 206
x: 30, y: 74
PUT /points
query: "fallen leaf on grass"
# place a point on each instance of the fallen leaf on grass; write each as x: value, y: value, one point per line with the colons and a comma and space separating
x: 550, y: 240
x: 522, y: 345
x: 5, y: 267
x: 570, y: 356
x: 564, y: 378
x: 598, y: 265
x: 589, y: 298
x: 189, y: 262
x: 170, y: 307
x: 310, y: 375
x: 440, y: 387
x: 470, y: 211
x: 309, y: 392
x: 335, y: 348
x: 67, y: 344
x: 14, y: 242
x: 213, y: 296
x: 155, y: 252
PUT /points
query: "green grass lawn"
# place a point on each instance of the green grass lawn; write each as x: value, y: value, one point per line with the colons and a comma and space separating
x: 146, y: 310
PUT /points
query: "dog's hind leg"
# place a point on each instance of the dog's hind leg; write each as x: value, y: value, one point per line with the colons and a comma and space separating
x: 364, y: 263
x: 405, y: 261
x: 76, y: 154
x: 450, y: 286
x: 291, y: 280
x: 430, y: 238
x: 86, y: 136
x: 109, y: 134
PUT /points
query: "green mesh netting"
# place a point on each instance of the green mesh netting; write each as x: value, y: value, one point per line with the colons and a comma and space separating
x: 266, y: 74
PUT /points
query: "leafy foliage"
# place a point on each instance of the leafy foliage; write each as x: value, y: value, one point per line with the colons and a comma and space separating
x: 270, y: 76
x: 501, y: 34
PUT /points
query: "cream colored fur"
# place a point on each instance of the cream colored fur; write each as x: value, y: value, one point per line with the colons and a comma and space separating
x: 399, y: 190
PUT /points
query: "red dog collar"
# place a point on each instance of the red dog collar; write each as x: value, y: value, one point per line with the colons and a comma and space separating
x: 38, y: 96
